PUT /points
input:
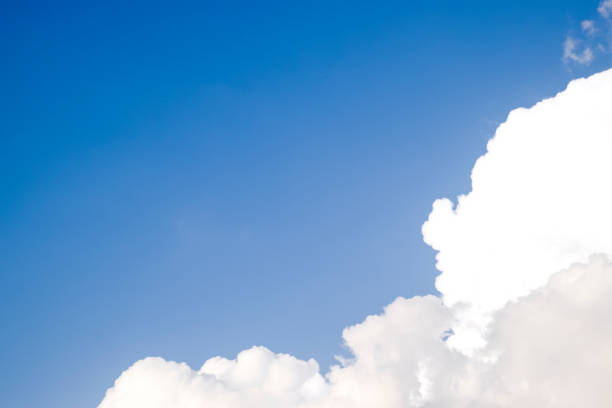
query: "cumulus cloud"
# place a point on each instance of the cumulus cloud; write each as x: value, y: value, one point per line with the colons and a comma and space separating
x: 257, y: 378
x: 554, y: 346
x: 538, y: 201
x: 549, y: 349
x: 395, y: 356
x: 523, y: 318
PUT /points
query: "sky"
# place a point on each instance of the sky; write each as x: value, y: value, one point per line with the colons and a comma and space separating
x: 191, y: 180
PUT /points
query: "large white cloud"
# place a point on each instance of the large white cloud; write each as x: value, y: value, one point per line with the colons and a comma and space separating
x: 540, y: 202
x: 395, y: 355
x: 549, y: 349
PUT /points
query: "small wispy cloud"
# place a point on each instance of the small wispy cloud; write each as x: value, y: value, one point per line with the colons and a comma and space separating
x: 588, y: 26
x: 570, y: 53
x: 605, y: 8
x: 594, y: 37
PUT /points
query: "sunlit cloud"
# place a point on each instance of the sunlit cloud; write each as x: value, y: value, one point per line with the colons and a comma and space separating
x: 525, y: 283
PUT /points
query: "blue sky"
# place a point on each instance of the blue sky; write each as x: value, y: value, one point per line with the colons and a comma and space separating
x: 190, y: 180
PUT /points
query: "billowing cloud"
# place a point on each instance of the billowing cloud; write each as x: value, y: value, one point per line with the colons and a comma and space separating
x: 549, y: 349
x: 524, y: 314
x: 553, y: 347
x: 395, y: 355
x: 257, y: 378
x: 539, y: 201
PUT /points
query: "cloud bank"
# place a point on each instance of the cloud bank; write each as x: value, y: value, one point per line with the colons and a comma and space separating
x: 523, y: 319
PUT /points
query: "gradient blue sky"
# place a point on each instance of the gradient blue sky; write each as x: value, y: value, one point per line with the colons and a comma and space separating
x: 188, y: 180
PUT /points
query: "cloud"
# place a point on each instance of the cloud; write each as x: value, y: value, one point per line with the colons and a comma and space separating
x: 595, y: 38
x: 588, y: 26
x: 605, y: 8
x: 523, y: 318
x: 569, y: 52
x: 257, y: 378
x: 538, y: 201
x: 388, y: 357
x: 549, y: 349
x: 554, y: 346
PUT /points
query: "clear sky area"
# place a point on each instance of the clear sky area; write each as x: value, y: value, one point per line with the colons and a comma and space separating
x: 188, y: 180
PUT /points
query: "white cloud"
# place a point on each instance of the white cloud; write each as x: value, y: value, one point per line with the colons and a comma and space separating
x: 588, y: 26
x: 391, y: 367
x: 595, y: 38
x: 569, y: 52
x: 549, y: 349
x: 605, y: 8
x: 554, y: 346
x: 540, y: 202
x: 257, y: 378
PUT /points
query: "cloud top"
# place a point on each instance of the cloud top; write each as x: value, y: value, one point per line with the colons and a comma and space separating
x: 538, y: 203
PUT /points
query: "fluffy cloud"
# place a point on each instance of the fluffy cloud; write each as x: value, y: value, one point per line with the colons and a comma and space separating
x: 539, y: 201
x: 554, y: 346
x: 257, y: 378
x: 384, y: 372
x: 515, y: 326
x: 549, y: 349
